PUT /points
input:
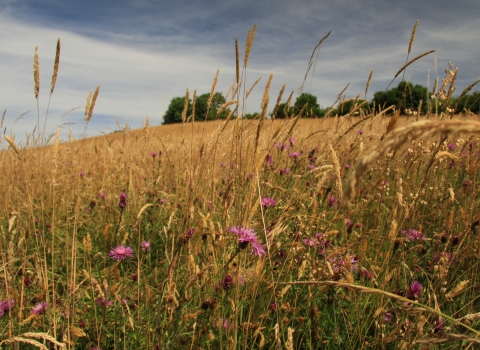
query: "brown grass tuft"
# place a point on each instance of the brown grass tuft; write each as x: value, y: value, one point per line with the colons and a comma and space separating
x: 368, y: 83
x: 279, y: 99
x: 13, y: 145
x: 248, y: 46
x: 55, y: 66
x: 212, y: 91
x: 237, y: 62
x: 412, y: 37
x: 36, y: 73
x: 412, y: 132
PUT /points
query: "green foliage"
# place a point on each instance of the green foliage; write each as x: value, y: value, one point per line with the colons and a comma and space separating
x: 175, y: 109
x: 346, y: 106
x: 405, y: 95
x: 283, y: 112
x: 201, y: 107
x: 312, y: 110
x: 470, y: 102
x: 255, y: 115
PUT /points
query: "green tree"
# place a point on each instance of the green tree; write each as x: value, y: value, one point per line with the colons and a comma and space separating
x: 346, y: 106
x: 313, y: 109
x: 283, y: 112
x: 201, y: 107
x: 175, y: 109
x: 405, y: 95
x: 469, y: 102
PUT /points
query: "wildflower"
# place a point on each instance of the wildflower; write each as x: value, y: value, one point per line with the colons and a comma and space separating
x: 81, y: 324
x: 246, y: 236
x: 438, y: 325
x: 388, y: 317
x: 413, y: 235
x: 103, y: 302
x: 347, y: 166
x: 292, y: 141
x: 332, y: 201
x: 295, y: 155
x: 123, y: 200
x: 186, y: 236
x: 367, y: 273
x: 6, y: 306
x: 121, y: 252
x: 452, y: 146
x: 227, y: 282
x: 284, y: 171
x: 39, y: 309
x: 154, y: 154
x: 415, y: 290
x: 146, y: 245
x: 27, y: 281
x: 101, y: 195
x: 269, y: 159
x: 309, y: 242
x: 82, y: 173
x: 268, y: 202
x: 281, y: 146
x: 360, y: 131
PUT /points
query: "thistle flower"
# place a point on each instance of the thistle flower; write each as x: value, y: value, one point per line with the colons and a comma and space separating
x: 245, y: 236
x: 146, y: 245
x: 413, y: 235
x: 268, y: 202
x: 123, y: 200
x: 39, y: 309
x: 6, y: 306
x: 415, y: 290
x: 452, y: 147
x: 121, y: 252
x: 153, y: 154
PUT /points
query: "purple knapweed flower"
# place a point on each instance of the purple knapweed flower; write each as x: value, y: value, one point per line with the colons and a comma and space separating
x: 39, y: 309
x: 295, y: 154
x: 438, y: 325
x: 247, y: 235
x: 451, y: 146
x: 332, y: 201
x: 269, y: 159
x: 268, y: 202
x: 445, y: 255
x: 6, y: 306
x: 360, y: 131
x: 281, y: 146
x: 284, y: 171
x: 310, y: 242
x: 103, y: 302
x: 153, y: 154
x: 292, y: 141
x: 146, y: 245
x: 101, y: 195
x: 413, y: 235
x: 121, y: 252
x: 388, y: 317
x: 123, y: 200
x: 415, y: 290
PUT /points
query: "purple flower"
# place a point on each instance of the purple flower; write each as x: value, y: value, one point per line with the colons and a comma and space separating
x: 39, y: 309
x: 388, y: 317
x: 121, y: 252
x: 146, y: 245
x: 281, y: 146
x: 268, y: 202
x: 332, y: 201
x: 309, y: 242
x: 123, y: 200
x: 452, y: 146
x: 6, y: 306
x: 284, y: 171
x: 247, y: 235
x: 103, y: 302
x: 295, y: 154
x: 415, y: 290
x: 413, y: 235
x: 102, y: 195
x: 347, y: 166
x: 154, y: 154
x: 360, y: 131
x: 438, y: 325
x: 291, y: 140
x: 269, y: 159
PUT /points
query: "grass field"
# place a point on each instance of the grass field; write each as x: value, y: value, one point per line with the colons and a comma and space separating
x: 353, y: 232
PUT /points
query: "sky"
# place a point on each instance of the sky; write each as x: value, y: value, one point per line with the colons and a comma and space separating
x: 143, y: 53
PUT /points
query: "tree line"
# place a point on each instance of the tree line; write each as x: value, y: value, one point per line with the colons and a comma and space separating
x: 406, y: 96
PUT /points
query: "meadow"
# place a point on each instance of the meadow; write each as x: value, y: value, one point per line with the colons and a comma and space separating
x: 359, y: 231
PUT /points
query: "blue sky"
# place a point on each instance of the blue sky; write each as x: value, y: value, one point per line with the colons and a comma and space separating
x: 143, y: 53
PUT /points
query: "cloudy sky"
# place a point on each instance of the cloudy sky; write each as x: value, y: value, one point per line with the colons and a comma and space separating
x: 142, y: 53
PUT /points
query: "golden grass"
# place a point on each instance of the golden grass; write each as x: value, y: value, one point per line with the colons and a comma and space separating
x: 55, y: 67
